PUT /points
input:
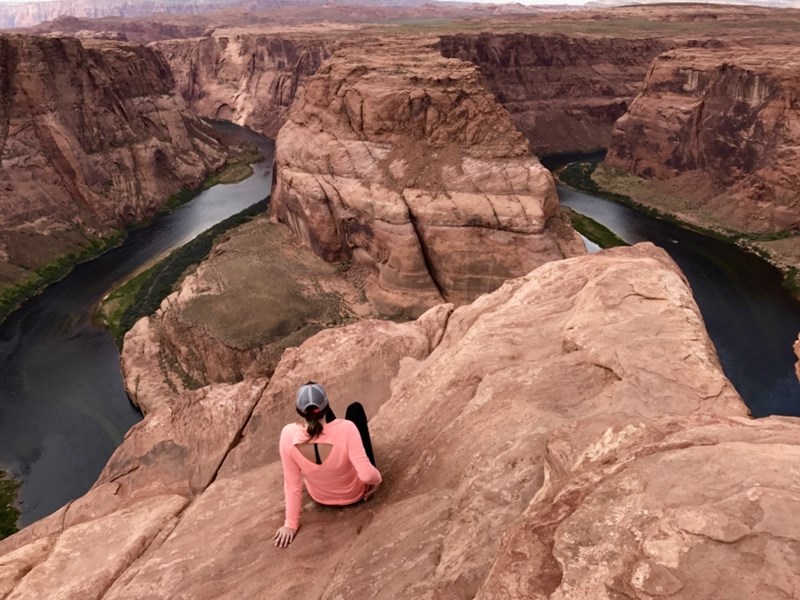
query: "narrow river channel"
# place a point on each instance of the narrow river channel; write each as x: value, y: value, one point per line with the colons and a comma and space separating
x: 63, y: 407
x: 751, y: 318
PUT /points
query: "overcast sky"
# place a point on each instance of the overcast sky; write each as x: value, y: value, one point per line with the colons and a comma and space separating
x: 527, y: 2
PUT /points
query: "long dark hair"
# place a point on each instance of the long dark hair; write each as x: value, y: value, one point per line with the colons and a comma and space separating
x: 313, y: 428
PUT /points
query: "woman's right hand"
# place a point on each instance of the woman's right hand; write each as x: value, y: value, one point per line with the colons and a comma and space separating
x: 371, y: 489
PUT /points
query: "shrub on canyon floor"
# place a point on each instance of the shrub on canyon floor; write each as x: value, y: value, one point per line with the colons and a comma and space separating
x: 9, y: 511
x: 594, y: 231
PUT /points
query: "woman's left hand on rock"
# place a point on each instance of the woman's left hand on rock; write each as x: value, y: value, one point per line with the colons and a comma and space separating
x: 284, y: 537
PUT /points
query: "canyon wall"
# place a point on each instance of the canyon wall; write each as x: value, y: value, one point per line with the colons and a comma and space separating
x: 718, y: 130
x: 569, y: 435
x: 399, y: 161
x: 92, y: 138
x: 563, y: 92
x: 248, y: 78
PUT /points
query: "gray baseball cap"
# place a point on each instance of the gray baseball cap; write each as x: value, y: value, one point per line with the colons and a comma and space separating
x: 312, y: 402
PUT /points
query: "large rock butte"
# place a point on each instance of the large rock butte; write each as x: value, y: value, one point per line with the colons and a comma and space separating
x: 570, y: 435
x: 92, y: 138
x: 717, y: 130
x: 398, y: 159
x: 564, y: 92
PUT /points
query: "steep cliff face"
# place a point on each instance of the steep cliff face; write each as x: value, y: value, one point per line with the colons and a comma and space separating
x: 398, y: 159
x: 569, y: 435
x: 92, y: 137
x: 720, y: 128
x: 250, y: 79
x: 563, y: 92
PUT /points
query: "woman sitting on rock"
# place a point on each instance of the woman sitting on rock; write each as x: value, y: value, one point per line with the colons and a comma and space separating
x: 335, y: 460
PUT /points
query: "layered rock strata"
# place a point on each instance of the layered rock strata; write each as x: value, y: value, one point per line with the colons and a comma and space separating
x: 570, y: 435
x: 245, y: 77
x: 563, y: 92
x: 398, y: 159
x: 717, y: 132
x: 92, y: 137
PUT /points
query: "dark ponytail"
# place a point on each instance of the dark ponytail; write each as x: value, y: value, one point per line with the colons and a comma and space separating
x: 313, y: 428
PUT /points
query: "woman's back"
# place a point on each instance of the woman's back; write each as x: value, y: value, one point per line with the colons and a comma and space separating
x: 345, y: 472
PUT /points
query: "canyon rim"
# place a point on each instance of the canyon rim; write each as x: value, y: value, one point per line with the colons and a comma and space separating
x: 550, y: 424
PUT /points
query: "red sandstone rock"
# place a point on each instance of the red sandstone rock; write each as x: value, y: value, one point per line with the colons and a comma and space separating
x: 797, y: 352
x: 721, y: 124
x: 245, y: 77
x: 255, y: 295
x: 563, y: 437
x: 563, y: 92
x: 398, y: 159
x: 697, y: 507
x: 92, y: 137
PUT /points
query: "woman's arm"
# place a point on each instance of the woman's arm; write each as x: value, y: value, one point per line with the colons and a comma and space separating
x: 358, y: 457
x: 292, y: 492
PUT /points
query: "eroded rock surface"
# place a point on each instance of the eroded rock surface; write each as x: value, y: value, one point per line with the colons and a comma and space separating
x: 570, y: 435
x: 563, y: 92
x: 718, y: 128
x: 257, y: 294
x: 92, y: 137
x: 398, y: 159
x: 246, y: 77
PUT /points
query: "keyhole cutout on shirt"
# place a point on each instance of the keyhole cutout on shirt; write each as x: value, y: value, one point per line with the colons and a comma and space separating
x: 307, y: 450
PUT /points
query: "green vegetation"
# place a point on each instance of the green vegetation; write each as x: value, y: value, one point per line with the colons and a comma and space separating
x: 230, y: 173
x: 13, y: 296
x: 9, y: 512
x: 599, y: 234
x: 791, y: 281
x: 237, y: 168
x: 579, y: 176
x: 142, y: 295
x: 178, y: 199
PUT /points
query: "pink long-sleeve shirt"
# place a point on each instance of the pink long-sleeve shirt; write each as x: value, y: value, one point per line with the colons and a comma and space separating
x: 341, y: 479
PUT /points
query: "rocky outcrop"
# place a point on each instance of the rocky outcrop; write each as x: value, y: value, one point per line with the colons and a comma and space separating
x: 250, y: 79
x: 134, y: 30
x: 92, y: 138
x: 257, y: 294
x: 570, y: 435
x: 563, y: 92
x: 398, y: 159
x: 717, y: 131
x: 797, y: 353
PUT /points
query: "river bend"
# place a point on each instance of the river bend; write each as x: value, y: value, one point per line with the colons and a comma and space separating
x: 63, y: 406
